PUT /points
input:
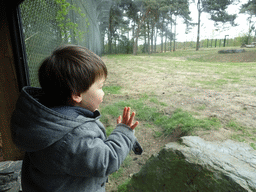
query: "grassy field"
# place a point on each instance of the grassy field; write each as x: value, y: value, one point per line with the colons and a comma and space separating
x: 182, y: 93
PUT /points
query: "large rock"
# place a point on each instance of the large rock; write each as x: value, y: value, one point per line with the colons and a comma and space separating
x: 231, y: 51
x: 198, y: 165
x: 10, y: 176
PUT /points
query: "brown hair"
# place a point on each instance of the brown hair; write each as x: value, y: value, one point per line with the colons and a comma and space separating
x: 71, y: 69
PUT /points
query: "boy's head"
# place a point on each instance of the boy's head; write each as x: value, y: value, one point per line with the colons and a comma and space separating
x: 70, y: 70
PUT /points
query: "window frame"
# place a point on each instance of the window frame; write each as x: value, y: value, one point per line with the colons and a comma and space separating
x: 18, y: 43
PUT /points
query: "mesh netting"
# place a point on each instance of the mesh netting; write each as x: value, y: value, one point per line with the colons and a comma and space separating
x: 50, y: 23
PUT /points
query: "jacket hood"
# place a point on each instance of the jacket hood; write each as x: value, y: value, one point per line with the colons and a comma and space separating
x: 35, y: 126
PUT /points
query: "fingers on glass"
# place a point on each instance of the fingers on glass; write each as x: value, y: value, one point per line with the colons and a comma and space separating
x: 134, y: 125
x: 131, y: 119
x: 124, y: 114
x: 127, y: 119
x: 119, y: 119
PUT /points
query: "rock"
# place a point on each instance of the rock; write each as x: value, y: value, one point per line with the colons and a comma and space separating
x: 198, y: 165
x: 231, y: 51
x: 250, y: 46
x: 10, y: 176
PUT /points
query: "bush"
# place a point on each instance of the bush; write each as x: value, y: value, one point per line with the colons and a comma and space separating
x: 244, y: 39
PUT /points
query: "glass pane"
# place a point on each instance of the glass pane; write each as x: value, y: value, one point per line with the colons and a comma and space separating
x: 50, y: 23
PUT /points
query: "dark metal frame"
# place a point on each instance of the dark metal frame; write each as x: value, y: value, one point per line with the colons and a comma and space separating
x: 18, y: 44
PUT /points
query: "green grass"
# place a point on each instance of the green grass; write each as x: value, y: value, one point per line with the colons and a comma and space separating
x: 218, y: 72
x: 234, y: 125
x: 146, y: 111
x: 119, y: 172
x: 241, y: 132
x: 112, y: 89
x: 109, y: 130
x: 155, y: 100
x: 123, y: 186
x: 186, y: 122
x: 253, y: 145
x: 201, y: 107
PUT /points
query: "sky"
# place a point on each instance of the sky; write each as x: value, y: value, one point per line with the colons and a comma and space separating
x: 207, y: 26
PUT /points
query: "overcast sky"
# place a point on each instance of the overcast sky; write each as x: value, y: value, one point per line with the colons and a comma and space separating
x: 207, y: 26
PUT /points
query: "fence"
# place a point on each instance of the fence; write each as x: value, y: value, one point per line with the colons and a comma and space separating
x: 50, y: 23
x: 207, y: 43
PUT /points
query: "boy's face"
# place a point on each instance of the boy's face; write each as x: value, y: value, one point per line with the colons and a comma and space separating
x: 92, y: 98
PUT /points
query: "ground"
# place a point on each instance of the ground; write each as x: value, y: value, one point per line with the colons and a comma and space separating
x: 222, y: 87
x: 204, y: 83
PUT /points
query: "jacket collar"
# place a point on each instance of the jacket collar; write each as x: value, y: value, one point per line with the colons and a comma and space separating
x: 74, y: 111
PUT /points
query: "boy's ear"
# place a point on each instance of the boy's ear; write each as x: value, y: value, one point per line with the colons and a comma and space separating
x: 77, y: 98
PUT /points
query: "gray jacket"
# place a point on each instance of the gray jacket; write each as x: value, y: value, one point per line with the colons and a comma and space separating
x: 65, y: 153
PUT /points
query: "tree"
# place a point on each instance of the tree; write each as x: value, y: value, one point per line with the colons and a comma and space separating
x: 146, y: 17
x: 115, y: 20
x: 132, y: 11
x: 217, y: 10
x: 147, y: 11
x: 170, y: 9
x: 250, y: 9
x: 67, y: 21
x: 151, y: 19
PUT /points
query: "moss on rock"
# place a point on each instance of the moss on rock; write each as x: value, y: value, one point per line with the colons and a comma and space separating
x: 171, y: 171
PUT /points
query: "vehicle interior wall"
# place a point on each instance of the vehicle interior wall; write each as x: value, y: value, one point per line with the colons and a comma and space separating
x: 9, y: 90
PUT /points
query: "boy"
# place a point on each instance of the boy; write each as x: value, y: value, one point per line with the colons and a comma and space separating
x: 58, y: 126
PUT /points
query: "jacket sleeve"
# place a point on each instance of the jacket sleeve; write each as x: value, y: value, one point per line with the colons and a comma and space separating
x: 85, y: 153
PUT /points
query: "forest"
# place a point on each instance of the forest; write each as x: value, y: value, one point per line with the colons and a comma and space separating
x: 149, y: 19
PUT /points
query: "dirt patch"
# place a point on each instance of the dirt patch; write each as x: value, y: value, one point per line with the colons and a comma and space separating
x: 169, y: 81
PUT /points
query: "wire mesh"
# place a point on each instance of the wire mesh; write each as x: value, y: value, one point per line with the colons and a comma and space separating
x: 48, y: 24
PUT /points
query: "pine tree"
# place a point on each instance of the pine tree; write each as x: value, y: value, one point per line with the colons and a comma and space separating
x: 250, y: 9
x: 217, y: 10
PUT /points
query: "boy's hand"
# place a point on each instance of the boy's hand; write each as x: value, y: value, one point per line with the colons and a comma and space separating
x: 127, y: 120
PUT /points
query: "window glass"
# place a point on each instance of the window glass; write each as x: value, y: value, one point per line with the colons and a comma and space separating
x: 50, y: 23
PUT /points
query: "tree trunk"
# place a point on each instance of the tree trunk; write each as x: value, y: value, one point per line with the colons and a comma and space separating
x: 145, y: 41
x: 103, y: 46
x: 148, y: 45
x: 171, y: 37
x: 135, y: 45
x: 162, y: 36
x: 198, y: 29
x: 109, y: 39
x: 152, y: 40
x: 155, y: 39
x: 166, y: 36
x: 174, y: 39
x: 249, y: 32
x: 133, y: 34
